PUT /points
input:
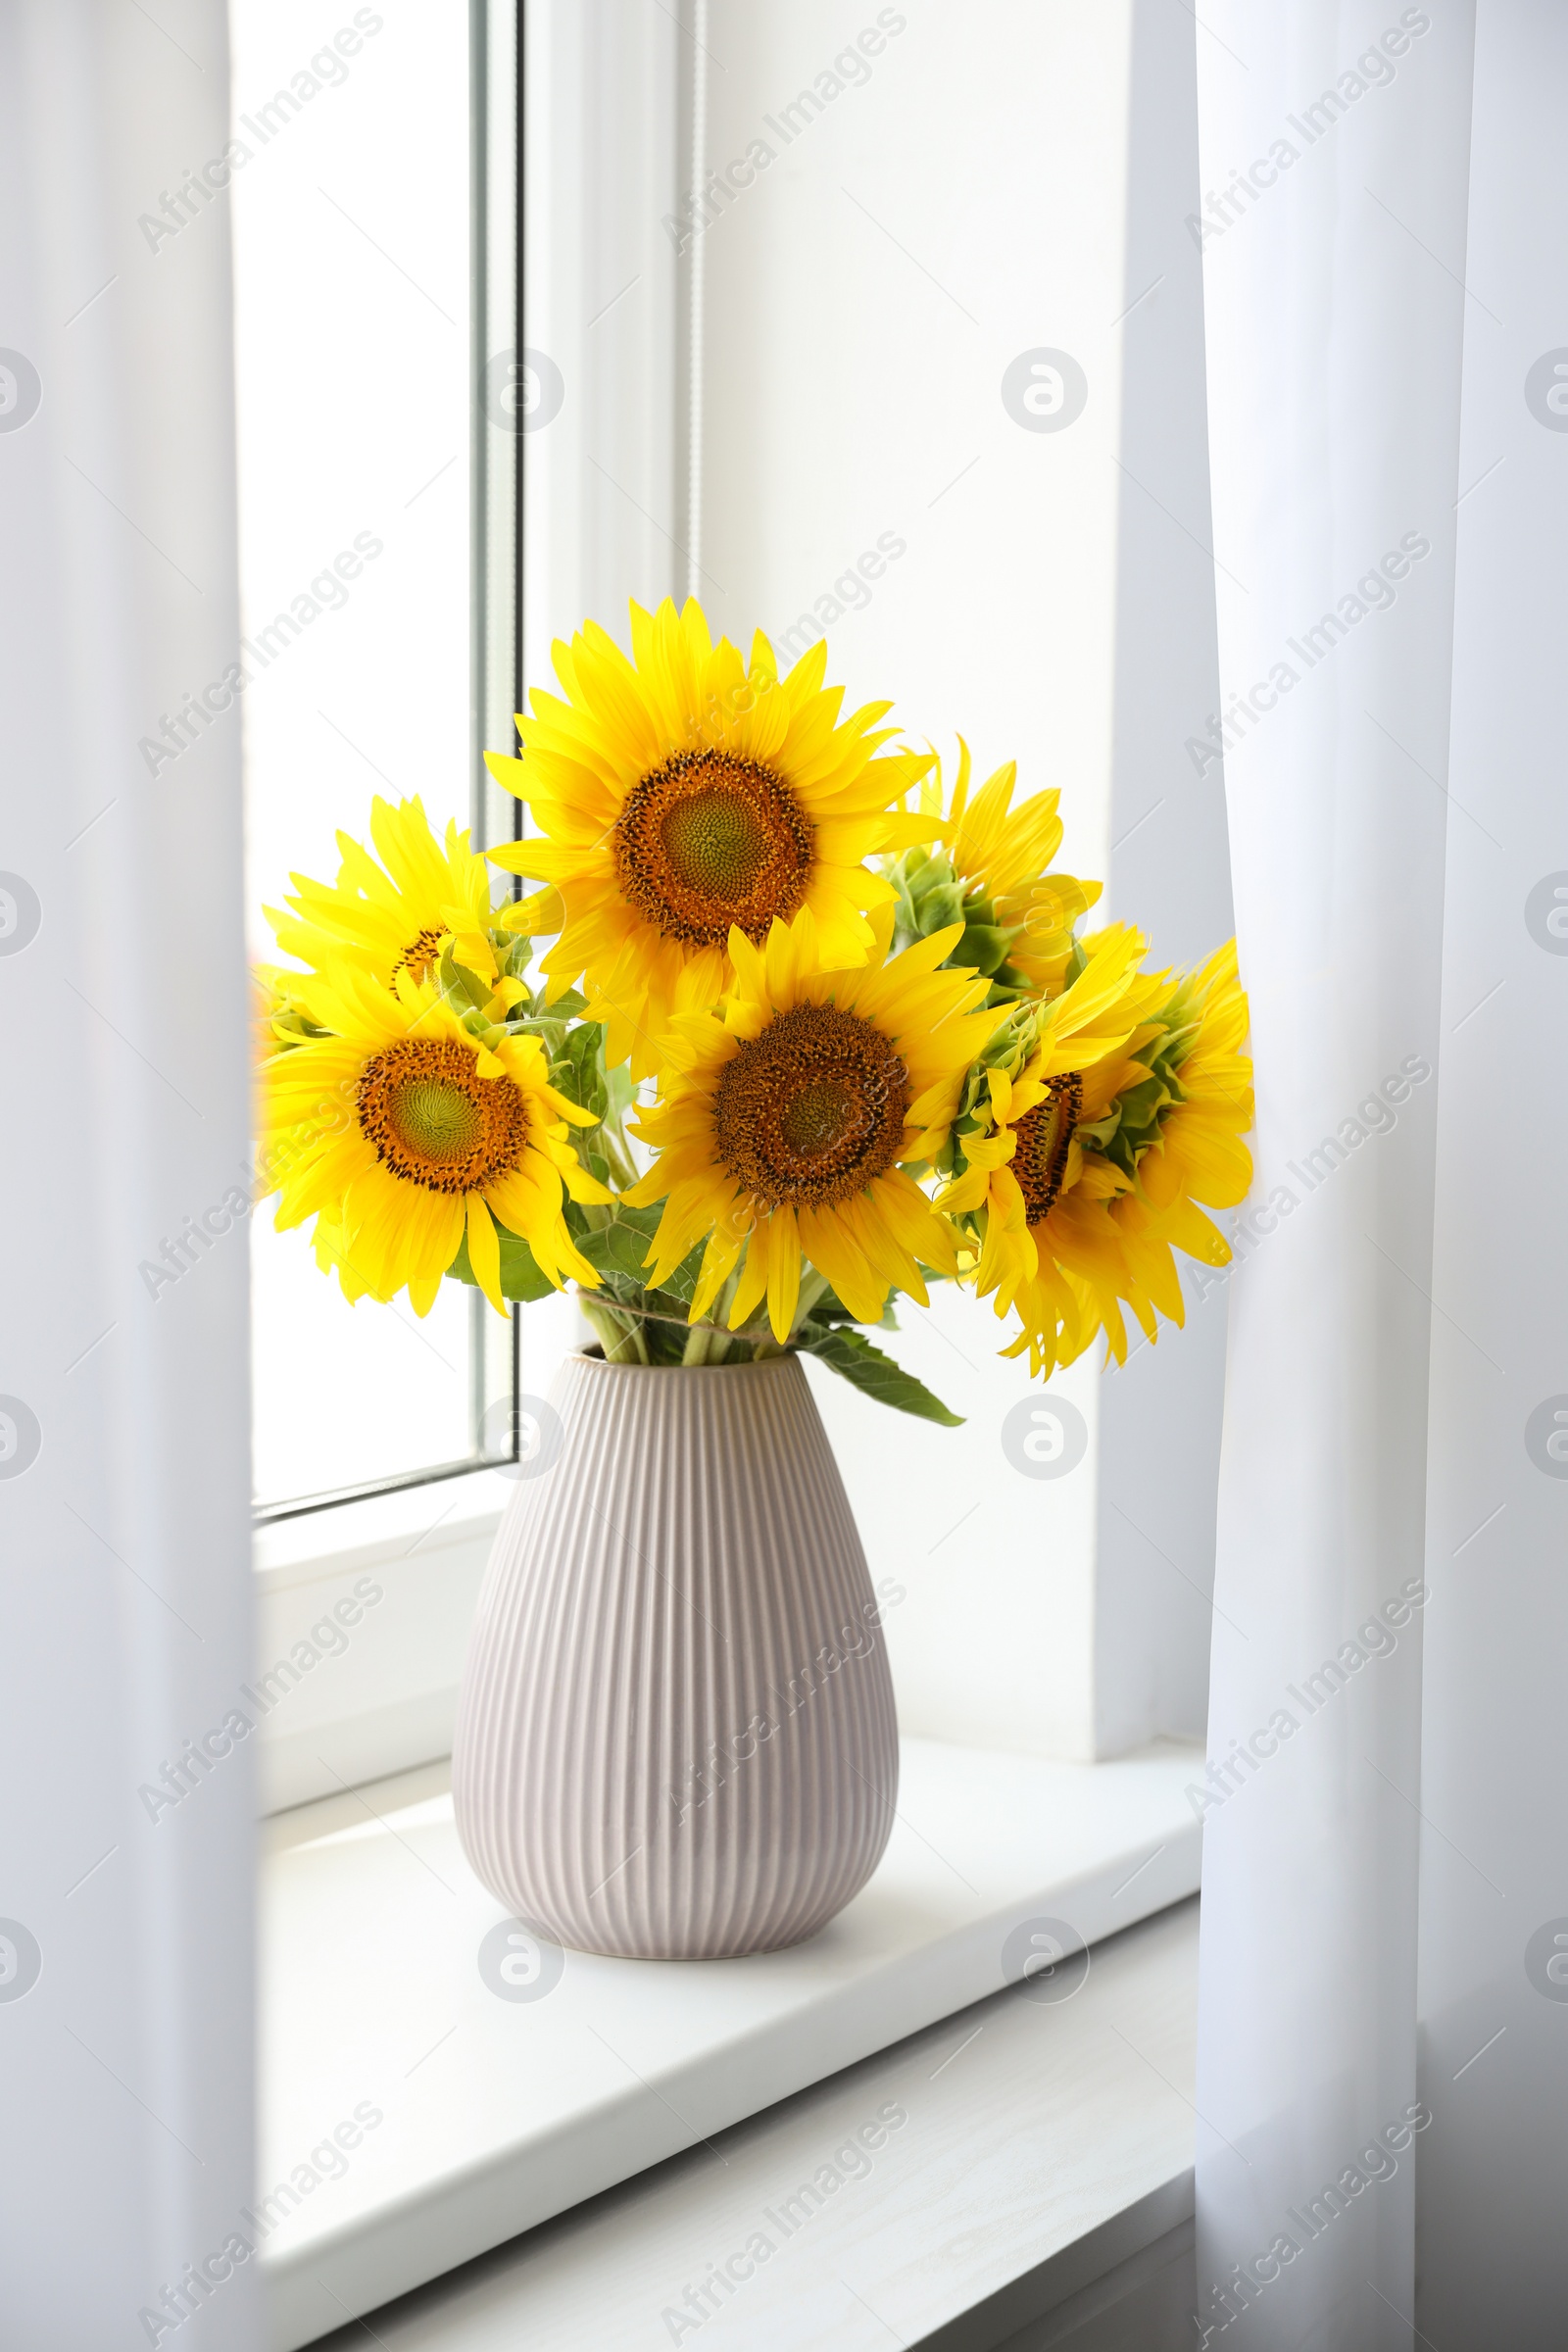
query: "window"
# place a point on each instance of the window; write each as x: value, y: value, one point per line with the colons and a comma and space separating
x: 781, y: 382
x: 375, y: 279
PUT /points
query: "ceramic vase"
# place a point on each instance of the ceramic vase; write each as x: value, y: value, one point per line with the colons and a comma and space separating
x: 676, y: 1735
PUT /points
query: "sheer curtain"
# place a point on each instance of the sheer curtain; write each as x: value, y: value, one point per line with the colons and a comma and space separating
x: 1384, y: 2042
x: 125, y: 1861
x: 1492, y: 2184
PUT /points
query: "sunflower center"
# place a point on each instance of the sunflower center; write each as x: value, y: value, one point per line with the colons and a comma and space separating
x: 1045, y: 1138
x: 819, y: 1117
x: 812, y: 1110
x: 439, y: 1120
x: 709, y: 840
x: 420, y: 956
x: 434, y: 1121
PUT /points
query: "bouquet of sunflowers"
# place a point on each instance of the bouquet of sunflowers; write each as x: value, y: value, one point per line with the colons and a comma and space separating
x: 809, y: 1029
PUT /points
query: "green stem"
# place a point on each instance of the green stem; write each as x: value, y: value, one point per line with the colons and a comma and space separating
x: 618, y: 1150
x: 720, y: 1342
x: 812, y: 1285
x: 633, y: 1348
x: 622, y: 1341
x: 716, y: 1338
x: 618, y: 1156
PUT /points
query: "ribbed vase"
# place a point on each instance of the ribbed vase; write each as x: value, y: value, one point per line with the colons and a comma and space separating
x: 676, y: 1736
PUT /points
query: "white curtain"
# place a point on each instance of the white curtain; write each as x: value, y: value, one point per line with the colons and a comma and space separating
x: 125, y: 1922
x: 1384, y: 2035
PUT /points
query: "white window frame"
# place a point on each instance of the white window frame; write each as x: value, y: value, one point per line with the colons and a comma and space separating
x: 494, y: 496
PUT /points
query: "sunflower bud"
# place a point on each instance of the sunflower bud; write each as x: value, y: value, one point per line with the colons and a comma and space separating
x: 983, y: 948
x: 936, y: 906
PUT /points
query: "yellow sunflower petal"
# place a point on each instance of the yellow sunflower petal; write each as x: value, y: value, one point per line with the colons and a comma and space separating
x: 1131, y: 1111
x: 683, y: 791
x: 484, y: 1253
x: 395, y: 1129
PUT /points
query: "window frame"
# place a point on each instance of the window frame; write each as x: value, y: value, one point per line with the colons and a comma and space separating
x: 494, y: 538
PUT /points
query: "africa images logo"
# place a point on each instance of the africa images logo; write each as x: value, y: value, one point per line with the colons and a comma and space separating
x: 1044, y: 1437
x: 1044, y: 390
x: 518, y: 1965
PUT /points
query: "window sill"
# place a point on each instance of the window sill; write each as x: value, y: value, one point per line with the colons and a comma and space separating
x: 496, y: 2116
x: 1038, y: 2195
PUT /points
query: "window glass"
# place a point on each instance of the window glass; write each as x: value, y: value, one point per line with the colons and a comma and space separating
x: 351, y: 271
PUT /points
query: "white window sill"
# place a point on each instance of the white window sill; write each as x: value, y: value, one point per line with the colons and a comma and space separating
x: 1039, y: 2193
x: 496, y: 2116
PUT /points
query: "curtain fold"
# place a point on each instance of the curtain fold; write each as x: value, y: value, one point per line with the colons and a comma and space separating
x: 1334, y: 145
x: 1491, y: 2249
x: 125, y: 1877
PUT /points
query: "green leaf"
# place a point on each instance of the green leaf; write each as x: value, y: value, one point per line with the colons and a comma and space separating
x: 874, y: 1374
x: 830, y: 1307
x: 575, y: 1069
x: 617, y: 1248
x: 459, y: 982
x: 681, y: 1284
x: 620, y: 1251
x: 520, y: 1275
x: 514, y: 951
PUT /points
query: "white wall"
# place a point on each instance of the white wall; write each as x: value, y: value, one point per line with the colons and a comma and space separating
x: 961, y: 201
x: 965, y: 203
x: 1169, y: 871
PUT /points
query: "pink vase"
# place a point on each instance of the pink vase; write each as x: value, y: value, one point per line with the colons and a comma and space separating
x: 676, y: 1736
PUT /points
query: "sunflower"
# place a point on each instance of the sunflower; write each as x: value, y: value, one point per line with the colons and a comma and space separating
x: 392, y: 917
x: 681, y: 797
x: 1087, y: 1165
x: 1194, y: 1109
x: 270, y: 1004
x: 989, y: 871
x: 405, y: 1135
x: 784, y: 1131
